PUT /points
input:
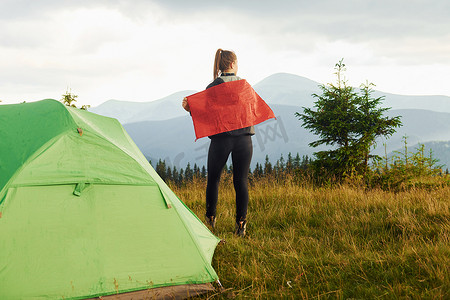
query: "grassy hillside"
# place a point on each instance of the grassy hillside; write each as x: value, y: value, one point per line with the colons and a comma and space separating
x: 334, y: 242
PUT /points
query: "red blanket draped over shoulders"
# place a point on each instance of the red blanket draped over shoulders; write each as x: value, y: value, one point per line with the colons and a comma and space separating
x: 227, y: 106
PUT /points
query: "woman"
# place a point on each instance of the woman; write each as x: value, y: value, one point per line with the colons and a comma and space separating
x: 237, y: 142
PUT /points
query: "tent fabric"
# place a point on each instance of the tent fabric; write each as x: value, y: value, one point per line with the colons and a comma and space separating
x: 85, y: 215
x: 227, y: 106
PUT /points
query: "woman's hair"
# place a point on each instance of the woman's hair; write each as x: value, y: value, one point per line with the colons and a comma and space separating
x: 222, y: 61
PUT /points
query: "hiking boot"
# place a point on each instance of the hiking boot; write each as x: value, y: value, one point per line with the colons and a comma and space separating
x: 240, y: 228
x: 211, y: 222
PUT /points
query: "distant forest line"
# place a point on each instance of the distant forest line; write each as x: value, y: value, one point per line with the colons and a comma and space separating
x: 282, y: 166
x: 402, y: 169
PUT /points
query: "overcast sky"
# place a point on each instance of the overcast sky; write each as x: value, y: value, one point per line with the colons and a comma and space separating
x: 143, y: 50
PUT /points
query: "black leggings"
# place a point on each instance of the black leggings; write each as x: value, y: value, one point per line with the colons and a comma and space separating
x: 241, y: 150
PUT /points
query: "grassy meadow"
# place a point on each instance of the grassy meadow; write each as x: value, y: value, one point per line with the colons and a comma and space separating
x: 341, y: 241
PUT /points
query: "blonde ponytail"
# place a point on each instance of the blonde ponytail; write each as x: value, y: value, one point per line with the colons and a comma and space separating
x: 217, y: 60
x: 223, y: 61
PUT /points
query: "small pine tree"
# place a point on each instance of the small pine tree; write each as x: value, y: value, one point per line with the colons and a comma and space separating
x: 188, y: 173
x: 282, y: 163
x: 196, y: 171
x: 267, y: 166
x: 256, y: 171
x: 175, y: 175
x: 349, y: 121
x: 304, y: 163
x: 289, y: 163
x: 277, y: 168
x: 203, y: 173
x: 69, y: 99
x: 297, y: 162
x: 169, y: 174
x: 180, y: 180
x: 161, y: 169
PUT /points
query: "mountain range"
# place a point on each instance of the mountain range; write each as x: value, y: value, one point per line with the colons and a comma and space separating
x: 163, y: 130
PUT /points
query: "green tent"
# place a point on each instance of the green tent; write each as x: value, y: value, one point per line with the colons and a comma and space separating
x: 83, y: 214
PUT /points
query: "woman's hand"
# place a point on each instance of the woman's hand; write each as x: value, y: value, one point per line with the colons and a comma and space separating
x: 185, y: 105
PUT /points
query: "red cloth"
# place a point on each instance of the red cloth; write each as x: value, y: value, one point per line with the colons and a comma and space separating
x: 227, y: 106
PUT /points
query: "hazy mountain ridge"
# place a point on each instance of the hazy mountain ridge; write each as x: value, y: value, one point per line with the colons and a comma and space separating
x: 162, y: 129
x: 174, y: 140
x: 280, y: 88
x: 177, y: 143
x: 126, y: 112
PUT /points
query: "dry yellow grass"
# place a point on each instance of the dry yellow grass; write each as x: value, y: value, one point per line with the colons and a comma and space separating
x: 340, y: 242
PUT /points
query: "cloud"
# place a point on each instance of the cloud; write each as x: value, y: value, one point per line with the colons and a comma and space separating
x: 383, y: 25
x: 388, y: 27
x: 338, y: 19
x: 141, y: 50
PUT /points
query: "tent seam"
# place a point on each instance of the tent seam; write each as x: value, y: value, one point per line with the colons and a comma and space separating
x: 97, y: 134
x: 122, y: 150
x: 196, y: 242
